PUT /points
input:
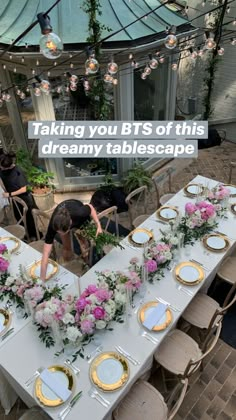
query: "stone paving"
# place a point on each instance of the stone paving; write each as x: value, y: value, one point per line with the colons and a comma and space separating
x: 212, y: 393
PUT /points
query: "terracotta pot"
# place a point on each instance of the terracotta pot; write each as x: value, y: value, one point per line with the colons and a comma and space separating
x: 44, y: 201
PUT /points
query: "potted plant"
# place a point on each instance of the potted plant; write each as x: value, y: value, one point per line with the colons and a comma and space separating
x: 40, y: 181
x: 136, y: 177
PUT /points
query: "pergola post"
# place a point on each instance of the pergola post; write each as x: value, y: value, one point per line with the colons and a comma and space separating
x: 14, y: 112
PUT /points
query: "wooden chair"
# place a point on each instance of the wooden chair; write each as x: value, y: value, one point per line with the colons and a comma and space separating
x: 145, y: 402
x: 135, y: 200
x: 181, y: 355
x: 35, y: 413
x: 111, y: 215
x: 205, y: 313
x: 41, y: 221
x: 19, y: 229
x: 232, y: 166
x: 161, y: 177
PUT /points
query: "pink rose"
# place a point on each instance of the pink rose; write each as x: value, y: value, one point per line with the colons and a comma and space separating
x: 151, y: 266
x: 87, y: 326
x: 4, y: 264
x: 103, y: 294
x: 3, y: 248
x: 92, y: 288
x: 80, y: 304
x: 190, y: 208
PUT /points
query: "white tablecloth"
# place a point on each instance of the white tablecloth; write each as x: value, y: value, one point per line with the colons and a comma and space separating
x: 23, y: 353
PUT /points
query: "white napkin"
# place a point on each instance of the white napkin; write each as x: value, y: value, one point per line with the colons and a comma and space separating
x: 55, y: 385
x: 155, y: 315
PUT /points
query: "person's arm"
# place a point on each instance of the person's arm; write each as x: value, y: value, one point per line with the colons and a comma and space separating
x: 44, y: 263
x: 17, y: 192
x: 95, y: 218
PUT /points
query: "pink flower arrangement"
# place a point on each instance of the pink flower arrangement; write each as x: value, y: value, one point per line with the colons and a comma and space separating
x: 49, y: 311
x: 3, y: 248
x: 219, y: 193
x: 4, y: 264
x: 199, y: 213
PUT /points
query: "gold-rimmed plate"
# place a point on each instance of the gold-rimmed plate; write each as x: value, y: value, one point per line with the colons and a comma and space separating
x: 163, y: 322
x: 140, y: 237
x: 52, y: 269
x: 192, y: 190
x: 189, y: 273
x: 167, y: 213
x: 45, y: 395
x: 232, y: 189
x: 216, y: 242
x: 109, y: 371
x: 233, y: 208
x: 12, y: 244
x: 5, y: 320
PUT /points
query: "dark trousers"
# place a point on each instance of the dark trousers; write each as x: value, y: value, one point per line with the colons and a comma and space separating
x: 29, y: 201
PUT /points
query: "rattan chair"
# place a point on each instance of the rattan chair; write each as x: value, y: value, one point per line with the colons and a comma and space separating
x: 205, y: 313
x: 41, y: 221
x: 145, y: 402
x: 227, y: 270
x: 19, y: 229
x: 181, y: 355
x: 163, y: 176
x: 137, y: 203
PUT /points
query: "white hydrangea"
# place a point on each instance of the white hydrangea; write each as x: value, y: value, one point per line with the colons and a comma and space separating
x: 93, y: 299
x: 73, y: 333
x: 110, y: 308
x: 120, y: 298
x: 68, y: 319
x: 9, y: 281
x: 14, y: 289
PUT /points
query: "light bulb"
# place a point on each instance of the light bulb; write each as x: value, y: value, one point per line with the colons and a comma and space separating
x: 45, y: 86
x: 4, y: 66
x: 18, y: 92
x: 131, y: 56
x: 27, y: 89
x: 108, y: 78
x: 153, y: 63
x: 200, y: 53
x: 49, y: 73
x: 33, y: 71
x: 71, y: 65
x: 221, y: 51
x: 22, y: 95
x: 112, y: 68
x: 194, y: 55
x: 14, y: 69
x: 210, y: 44
x: 147, y: 70
x: 234, y: 22
x: 37, y: 63
x: 162, y: 59
x: 86, y: 85
x: 143, y: 76
x: 22, y: 59
x: 59, y: 89
x: 174, y: 66
x: 170, y: 41
x: 37, y: 91
x: 74, y: 79
x: 51, y: 45
x: 73, y: 87
x: 7, y: 97
x: 233, y: 41
x: 91, y: 65
x: 115, y: 82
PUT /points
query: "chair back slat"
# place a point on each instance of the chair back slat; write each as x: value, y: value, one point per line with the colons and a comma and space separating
x: 111, y: 215
x: 22, y: 208
x: 161, y: 177
x: 41, y: 221
x: 136, y: 201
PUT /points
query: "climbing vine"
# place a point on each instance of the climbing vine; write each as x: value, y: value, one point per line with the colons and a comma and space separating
x: 100, y: 100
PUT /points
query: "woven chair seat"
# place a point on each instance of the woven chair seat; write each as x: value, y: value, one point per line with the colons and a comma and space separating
x: 227, y: 270
x: 175, y: 352
x: 38, y: 245
x: 16, y: 230
x: 201, y: 310
x: 142, y: 402
x: 140, y: 219
x: 35, y: 413
x: 164, y: 198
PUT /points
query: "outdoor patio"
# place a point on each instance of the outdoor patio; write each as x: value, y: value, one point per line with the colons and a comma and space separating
x: 212, y: 394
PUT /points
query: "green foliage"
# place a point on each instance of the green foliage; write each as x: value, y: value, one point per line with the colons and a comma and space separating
x: 136, y: 177
x: 36, y: 177
x: 109, y: 184
x: 89, y: 231
x: 209, y: 85
x: 192, y: 235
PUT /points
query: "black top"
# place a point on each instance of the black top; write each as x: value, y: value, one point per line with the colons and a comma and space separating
x: 13, y: 179
x: 79, y: 213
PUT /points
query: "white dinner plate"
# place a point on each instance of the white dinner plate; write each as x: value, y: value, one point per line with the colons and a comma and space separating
x: 12, y: 244
x: 61, y: 378
x: 168, y: 213
x: 193, y: 189
x: 216, y: 242
x: 140, y: 237
x: 189, y: 274
x: 110, y: 371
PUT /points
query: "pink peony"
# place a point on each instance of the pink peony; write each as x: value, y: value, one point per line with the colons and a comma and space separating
x: 190, y: 208
x: 92, y: 288
x: 87, y: 326
x: 3, y: 248
x: 4, y: 264
x: 103, y: 294
x: 151, y: 266
x: 99, y: 312
x: 81, y: 303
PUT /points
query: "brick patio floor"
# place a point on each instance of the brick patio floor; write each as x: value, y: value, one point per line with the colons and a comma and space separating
x: 212, y: 393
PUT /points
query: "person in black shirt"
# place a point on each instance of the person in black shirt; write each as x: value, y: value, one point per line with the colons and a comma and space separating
x: 68, y: 215
x: 15, y: 184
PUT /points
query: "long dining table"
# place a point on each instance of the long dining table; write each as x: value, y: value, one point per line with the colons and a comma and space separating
x: 21, y: 354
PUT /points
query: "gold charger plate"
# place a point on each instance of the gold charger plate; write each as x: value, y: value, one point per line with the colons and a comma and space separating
x: 193, y: 265
x: 231, y: 185
x: 190, y: 194
x: 216, y: 235
x: 98, y: 367
x: 5, y: 317
x: 141, y: 230
x: 11, y: 238
x: 158, y: 327
x: 53, y: 402
x: 37, y: 265
x: 166, y: 219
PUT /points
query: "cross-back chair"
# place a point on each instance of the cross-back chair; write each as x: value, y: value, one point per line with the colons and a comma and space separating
x: 137, y: 203
x: 19, y: 228
x: 163, y: 177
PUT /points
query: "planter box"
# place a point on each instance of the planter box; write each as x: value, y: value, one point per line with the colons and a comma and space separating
x: 44, y: 201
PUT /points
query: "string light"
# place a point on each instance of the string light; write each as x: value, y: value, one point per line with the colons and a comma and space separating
x: 22, y: 95
x: 71, y: 65
x: 200, y: 52
x: 50, y: 44
x: 55, y: 63
x: 59, y: 89
x: 194, y: 54
x: 18, y: 91
x: 108, y: 78
x: 33, y: 71
x: 14, y: 70
x: 37, y: 63
x: 171, y: 41
x: 10, y: 56
x: 153, y: 63
x: 144, y: 76
x: 4, y: 66
x: 233, y: 41
x: 86, y: 85
x: 162, y: 59
x: 70, y: 55
x: 37, y: 91
x: 174, y: 66
x: 234, y: 22
x: 91, y: 64
x: 210, y: 44
x: 147, y: 70
x: 112, y: 67
x: 22, y: 59
x: 220, y: 51
x: 203, y: 4
x: 27, y: 89
x: 131, y: 56
x: 49, y: 73
x: 228, y: 9
x: 6, y: 97
x: 115, y: 82
x: 45, y: 86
